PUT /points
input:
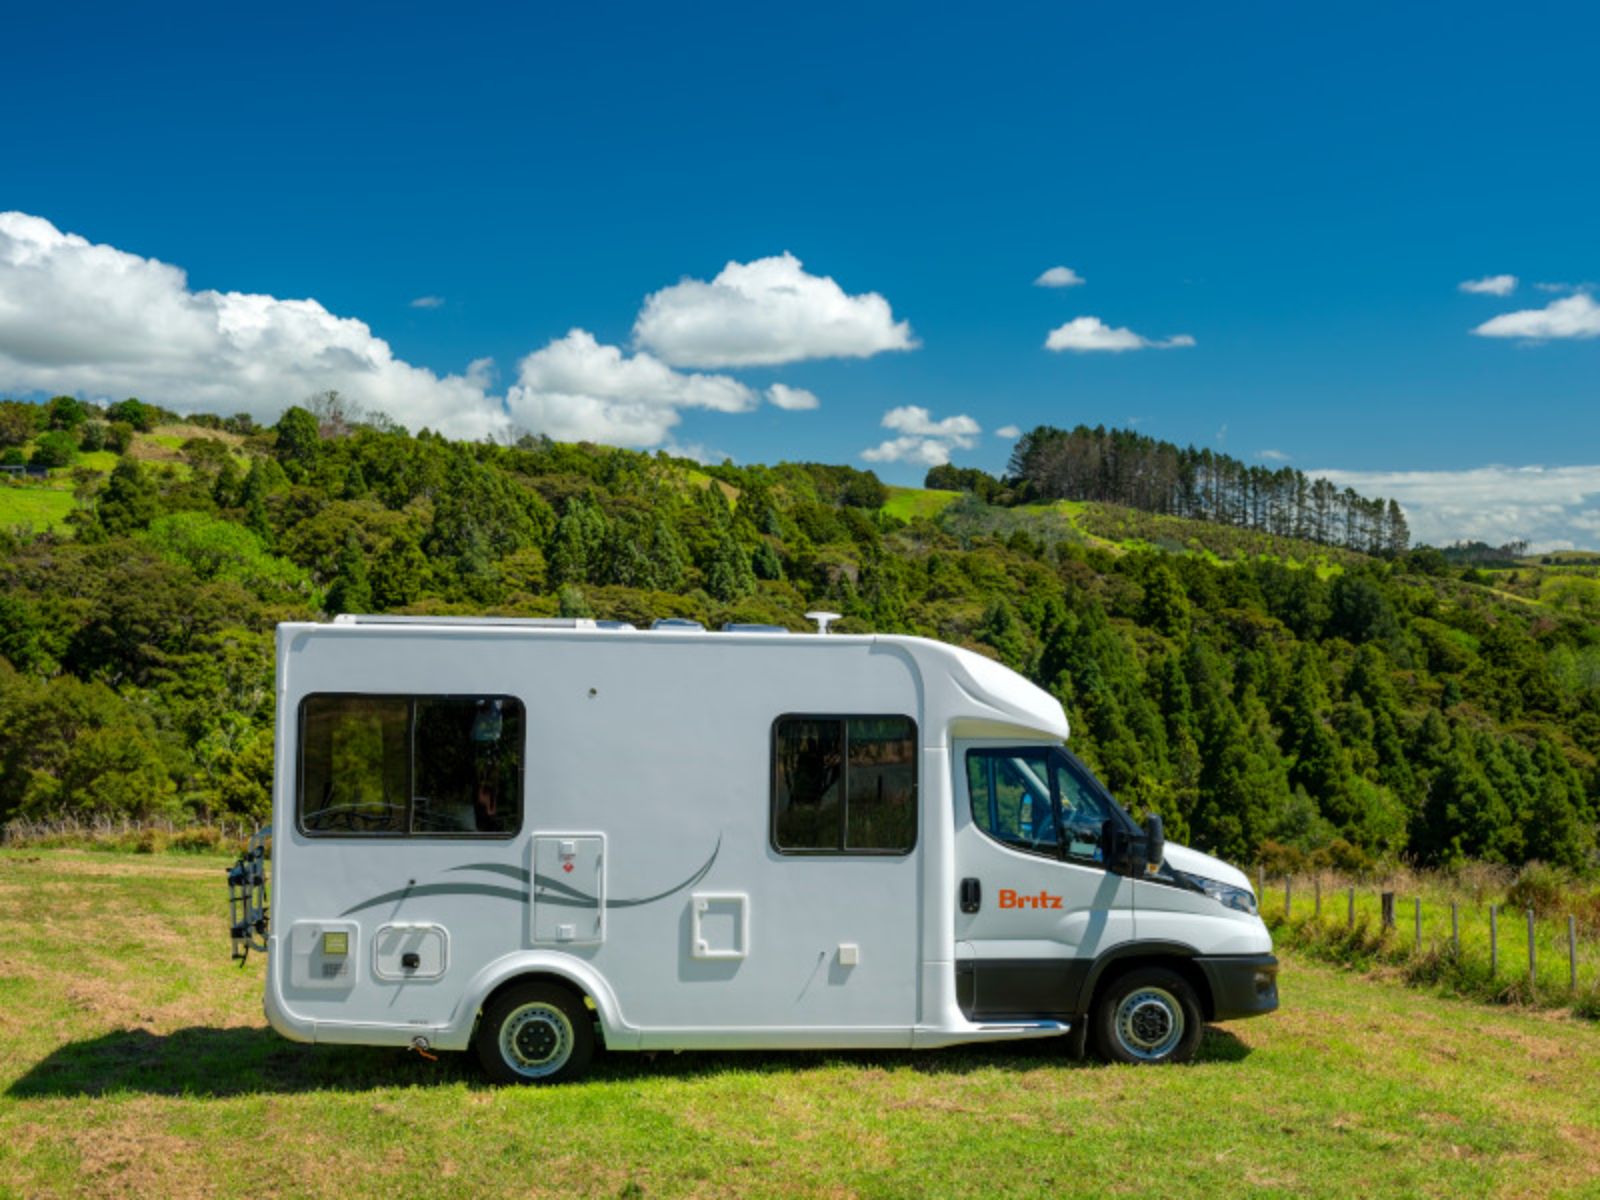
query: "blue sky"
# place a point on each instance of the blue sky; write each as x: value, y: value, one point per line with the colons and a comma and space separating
x: 1298, y: 190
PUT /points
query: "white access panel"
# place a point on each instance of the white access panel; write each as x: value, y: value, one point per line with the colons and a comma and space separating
x: 569, y: 889
x: 410, y: 952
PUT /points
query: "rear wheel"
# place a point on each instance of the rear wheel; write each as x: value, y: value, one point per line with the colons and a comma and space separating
x: 1149, y: 1015
x: 535, y: 1033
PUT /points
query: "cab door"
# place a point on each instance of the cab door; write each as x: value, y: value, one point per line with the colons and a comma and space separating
x: 1035, y: 902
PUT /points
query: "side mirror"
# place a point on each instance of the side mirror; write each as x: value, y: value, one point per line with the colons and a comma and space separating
x: 1155, y: 839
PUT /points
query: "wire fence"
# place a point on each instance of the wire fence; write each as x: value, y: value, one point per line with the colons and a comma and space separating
x: 1478, y: 944
x: 159, y: 833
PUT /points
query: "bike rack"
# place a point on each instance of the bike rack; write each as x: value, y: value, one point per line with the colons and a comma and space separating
x: 247, y: 897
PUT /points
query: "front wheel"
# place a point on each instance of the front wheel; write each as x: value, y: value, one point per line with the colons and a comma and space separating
x: 535, y: 1033
x: 1149, y: 1015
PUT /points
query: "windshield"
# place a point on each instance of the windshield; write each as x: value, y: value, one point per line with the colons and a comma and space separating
x: 1040, y: 799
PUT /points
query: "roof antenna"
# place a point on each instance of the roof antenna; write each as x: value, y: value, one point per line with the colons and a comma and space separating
x: 823, y: 620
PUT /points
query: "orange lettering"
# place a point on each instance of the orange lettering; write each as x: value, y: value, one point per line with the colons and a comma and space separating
x: 1008, y: 898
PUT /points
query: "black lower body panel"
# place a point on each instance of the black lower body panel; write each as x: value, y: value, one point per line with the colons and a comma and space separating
x: 1242, y: 985
x: 1019, y: 988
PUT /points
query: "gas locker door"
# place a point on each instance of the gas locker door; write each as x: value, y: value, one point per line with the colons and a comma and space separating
x: 1035, y: 910
x: 569, y: 889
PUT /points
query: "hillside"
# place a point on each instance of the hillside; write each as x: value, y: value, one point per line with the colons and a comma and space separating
x: 1254, y: 688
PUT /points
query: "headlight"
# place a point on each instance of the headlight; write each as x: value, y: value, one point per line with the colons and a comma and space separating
x: 1224, y: 894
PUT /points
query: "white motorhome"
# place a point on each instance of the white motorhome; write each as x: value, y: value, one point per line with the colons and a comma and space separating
x: 521, y: 837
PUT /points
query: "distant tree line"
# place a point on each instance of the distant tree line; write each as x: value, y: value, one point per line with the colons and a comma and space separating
x: 1119, y: 466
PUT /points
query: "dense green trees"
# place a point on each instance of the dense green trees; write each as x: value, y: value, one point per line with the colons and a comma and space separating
x: 1385, y: 707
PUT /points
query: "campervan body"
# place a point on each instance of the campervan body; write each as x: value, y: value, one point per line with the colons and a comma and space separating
x: 529, y: 838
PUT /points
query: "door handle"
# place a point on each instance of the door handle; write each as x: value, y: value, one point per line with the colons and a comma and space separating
x: 971, y: 895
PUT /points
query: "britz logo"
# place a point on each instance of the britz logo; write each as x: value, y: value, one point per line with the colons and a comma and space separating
x: 1010, y: 899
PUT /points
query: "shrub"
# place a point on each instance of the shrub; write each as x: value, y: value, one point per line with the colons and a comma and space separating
x: 54, y: 449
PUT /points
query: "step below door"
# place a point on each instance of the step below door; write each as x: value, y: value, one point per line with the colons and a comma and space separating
x: 569, y: 889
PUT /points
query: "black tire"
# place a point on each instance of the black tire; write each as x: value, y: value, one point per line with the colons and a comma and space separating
x: 535, y: 1033
x: 1150, y: 1015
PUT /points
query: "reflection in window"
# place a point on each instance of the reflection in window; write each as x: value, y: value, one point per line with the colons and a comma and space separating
x: 395, y: 765
x: 1037, y: 798
x: 845, y: 784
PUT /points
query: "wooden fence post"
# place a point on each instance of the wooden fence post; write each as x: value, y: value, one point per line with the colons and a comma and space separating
x: 1533, y: 974
x: 1316, y: 910
x: 1572, y: 953
x: 1351, y: 918
x: 1417, y: 910
x: 1288, y: 896
x: 1387, y: 899
x: 1494, y: 939
x: 1455, y: 928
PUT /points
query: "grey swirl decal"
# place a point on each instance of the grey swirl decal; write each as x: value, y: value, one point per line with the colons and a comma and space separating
x: 564, y: 894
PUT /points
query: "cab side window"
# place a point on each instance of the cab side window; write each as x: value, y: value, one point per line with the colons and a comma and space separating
x: 1011, y: 798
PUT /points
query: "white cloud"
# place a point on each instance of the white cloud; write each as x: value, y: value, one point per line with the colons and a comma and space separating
x: 1545, y: 506
x: 765, y: 312
x: 697, y: 452
x: 1083, y: 335
x: 428, y: 302
x: 81, y: 317
x: 1576, y: 316
x: 578, y: 389
x: 1489, y: 285
x: 1272, y: 455
x: 922, y: 439
x: 1060, y: 277
x: 1008, y: 431
x: 781, y: 395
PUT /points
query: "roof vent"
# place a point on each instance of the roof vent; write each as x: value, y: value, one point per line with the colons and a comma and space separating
x: 745, y: 627
x: 823, y: 620
x: 682, y: 624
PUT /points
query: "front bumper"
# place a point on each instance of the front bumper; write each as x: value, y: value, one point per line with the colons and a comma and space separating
x: 1242, y: 985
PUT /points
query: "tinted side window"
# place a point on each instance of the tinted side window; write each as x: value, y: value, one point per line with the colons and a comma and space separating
x: 1011, y: 797
x: 410, y: 765
x: 844, y: 785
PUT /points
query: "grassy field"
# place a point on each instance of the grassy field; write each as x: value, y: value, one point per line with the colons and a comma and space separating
x: 908, y: 504
x: 134, y: 1061
x: 1454, y: 958
x: 40, y: 505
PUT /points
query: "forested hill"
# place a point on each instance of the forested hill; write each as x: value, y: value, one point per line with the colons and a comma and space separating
x: 1257, y: 691
x: 1120, y: 466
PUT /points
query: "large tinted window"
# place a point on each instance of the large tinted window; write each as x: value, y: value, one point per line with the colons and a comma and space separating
x: 411, y: 765
x: 844, y: 785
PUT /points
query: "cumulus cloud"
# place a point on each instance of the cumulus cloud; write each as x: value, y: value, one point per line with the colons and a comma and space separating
x: 922, y: 439
x: 579, y: 389
x: 1576, y: 316
x: 1009, y: 431
x: 1549, y: 507
x: 1060, y: 277
x: 765, y: 312
x: 1272, y: 455
x: 1490, y: 285
x: 781, y: 395
x: 428, y: 302
x: 1083, y: 335
x: 78, y: 316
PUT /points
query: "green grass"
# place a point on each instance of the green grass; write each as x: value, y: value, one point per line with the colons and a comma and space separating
x: 38, y: 505
x: 910, y: 504
x: 134, y: 1061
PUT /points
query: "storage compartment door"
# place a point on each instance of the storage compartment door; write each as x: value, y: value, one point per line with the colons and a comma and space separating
x: 569, y: 889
